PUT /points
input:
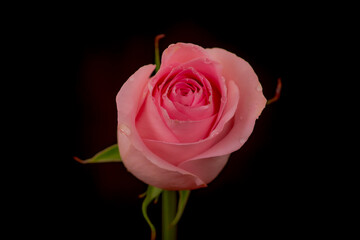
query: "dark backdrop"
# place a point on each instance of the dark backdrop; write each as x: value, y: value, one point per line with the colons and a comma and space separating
x: 83, y: 55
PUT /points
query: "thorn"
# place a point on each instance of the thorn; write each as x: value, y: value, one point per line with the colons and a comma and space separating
x: 277, y: 92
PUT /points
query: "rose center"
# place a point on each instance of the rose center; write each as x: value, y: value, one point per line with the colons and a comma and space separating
x: 183, y: 91
x: 187, y: 92
x: 186, y: 95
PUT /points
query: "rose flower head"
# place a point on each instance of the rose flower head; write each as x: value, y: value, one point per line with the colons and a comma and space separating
x: 177, y: 129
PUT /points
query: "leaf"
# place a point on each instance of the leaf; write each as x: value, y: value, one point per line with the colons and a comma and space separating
x: 109, y: 154
x: 183, y: 198
x: 151, y: 194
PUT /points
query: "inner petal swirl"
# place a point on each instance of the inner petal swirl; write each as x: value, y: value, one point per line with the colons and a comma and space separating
x: 187, y: 92
x: 187, y: 96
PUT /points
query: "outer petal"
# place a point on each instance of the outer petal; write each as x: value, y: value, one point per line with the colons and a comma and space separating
x: 137, y: 158
x: 179, y: 53
x: 150, y: 173
x: 206, y: 168
x: 177, y: 153
x: 250, y: 106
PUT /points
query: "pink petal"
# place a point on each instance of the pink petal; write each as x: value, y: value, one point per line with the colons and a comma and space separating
x: 138, y: 163
x: 136, y: 156
x: 212, y: 70
x: 151, y: 124
x: 250, y: 106
x: 177, y: 153
x: 179, y: 53
x: 207, y: 169
x: 179, y: 112
x: 190, y: 131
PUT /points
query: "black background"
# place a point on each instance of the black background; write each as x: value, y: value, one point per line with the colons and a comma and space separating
x: 79, y: 57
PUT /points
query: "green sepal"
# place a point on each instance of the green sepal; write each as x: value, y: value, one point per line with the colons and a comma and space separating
x: 152, y: 193
x: 109, y: 154
x: 157, y: 53
x: 183, y: 198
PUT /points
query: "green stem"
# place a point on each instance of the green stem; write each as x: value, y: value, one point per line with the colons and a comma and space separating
x: 168, y: 214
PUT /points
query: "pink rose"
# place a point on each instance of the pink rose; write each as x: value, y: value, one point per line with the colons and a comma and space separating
x: 177, y: 129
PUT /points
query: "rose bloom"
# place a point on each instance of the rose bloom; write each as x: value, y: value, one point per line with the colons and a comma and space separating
x: 177, y: 129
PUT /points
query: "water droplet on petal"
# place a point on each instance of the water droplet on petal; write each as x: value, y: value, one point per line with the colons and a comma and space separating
x: 259, y: 88
x: 242, y: 140
x: 131, y: 79
x: 207, y: 61
x: 123, y: 129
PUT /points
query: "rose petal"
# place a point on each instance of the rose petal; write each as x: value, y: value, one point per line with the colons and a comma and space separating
x: 179, y: 53
x: 136, y: 156
x: 177, y: 153
x: 203, y: 107
x: 250, y: 106
x: 184, y: 92
x: 190, y: 131
x: 207, y: 169
x: 200, y: 67
x: 151, y: 124
x: 180, y: 112
x: 212, y: 71
x: 130, y: 97
x: 154, y: 174
x: 240, y: 71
